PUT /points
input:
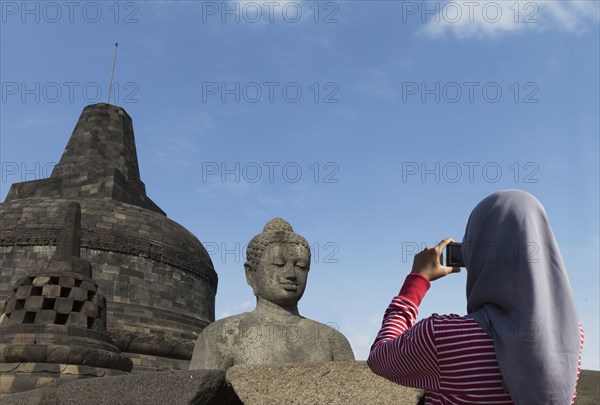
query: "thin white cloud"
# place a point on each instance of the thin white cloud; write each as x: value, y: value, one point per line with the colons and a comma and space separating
x: 265, y: 198
x: 484, y: 19
x: 238, y: 309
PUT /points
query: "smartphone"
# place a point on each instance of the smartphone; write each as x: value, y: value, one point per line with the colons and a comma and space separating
x: 454, y: 255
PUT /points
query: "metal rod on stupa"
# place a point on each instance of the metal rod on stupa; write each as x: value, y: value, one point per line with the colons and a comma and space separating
x: 112, y: 74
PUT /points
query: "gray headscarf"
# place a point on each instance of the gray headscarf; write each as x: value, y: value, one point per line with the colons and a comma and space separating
x: 519, y: 292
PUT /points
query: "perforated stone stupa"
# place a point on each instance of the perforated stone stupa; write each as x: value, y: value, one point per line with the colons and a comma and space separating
x: 158, y: 279
x: 53, y: 327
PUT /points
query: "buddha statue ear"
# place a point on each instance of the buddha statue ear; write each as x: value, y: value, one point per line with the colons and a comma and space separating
x: 249, y: 274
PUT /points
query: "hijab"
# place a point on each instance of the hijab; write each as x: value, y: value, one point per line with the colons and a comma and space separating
x: 519, y: 293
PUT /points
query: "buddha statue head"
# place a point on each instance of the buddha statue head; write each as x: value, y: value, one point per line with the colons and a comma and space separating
x: 277, y: 264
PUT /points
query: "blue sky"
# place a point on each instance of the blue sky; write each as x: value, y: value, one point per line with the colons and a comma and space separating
x: 372, y: 127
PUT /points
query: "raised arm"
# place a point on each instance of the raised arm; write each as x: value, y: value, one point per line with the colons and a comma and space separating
x: 404, y: 352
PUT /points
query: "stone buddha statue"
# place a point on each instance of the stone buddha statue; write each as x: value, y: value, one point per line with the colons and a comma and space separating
x: 278, y: 261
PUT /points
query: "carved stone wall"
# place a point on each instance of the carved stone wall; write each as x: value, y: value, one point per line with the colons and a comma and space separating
x: 155, y: 275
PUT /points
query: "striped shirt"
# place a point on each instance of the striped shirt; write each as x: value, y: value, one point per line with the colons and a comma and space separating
x: 449, y: 356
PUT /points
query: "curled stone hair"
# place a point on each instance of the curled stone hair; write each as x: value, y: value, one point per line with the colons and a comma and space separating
x: 276, y: 230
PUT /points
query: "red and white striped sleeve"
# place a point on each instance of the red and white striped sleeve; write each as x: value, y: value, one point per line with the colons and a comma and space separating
x: 405, y: 352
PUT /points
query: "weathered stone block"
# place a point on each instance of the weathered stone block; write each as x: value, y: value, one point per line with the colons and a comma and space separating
x: 63, y: 305
x: 334, y: 383
x: 206, y: 387
x: 17, y: 316
x: 78, y: 294
x: 68, y: 282
x: 46, y: 316
x: 10, y: 306
x: 90, y: 309
x: 45, y: 382
x: 35, y: 353
x: 75, y: 357
x: 77, y: 318
x: 57, y: 354
x: 51, y: 291
x: 40, y: 281
x: 21, y: 383
x: 34, y: 303
x: 88, y: 286
x: 14, y: 354
x: 23, y: 291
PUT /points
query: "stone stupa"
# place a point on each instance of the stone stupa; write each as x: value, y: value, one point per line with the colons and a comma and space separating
x: 158, y: 279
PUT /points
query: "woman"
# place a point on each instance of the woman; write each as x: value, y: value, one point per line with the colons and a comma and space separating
x: 520, y: 342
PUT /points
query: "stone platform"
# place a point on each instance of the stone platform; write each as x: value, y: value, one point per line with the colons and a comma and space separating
x: 318, y: 383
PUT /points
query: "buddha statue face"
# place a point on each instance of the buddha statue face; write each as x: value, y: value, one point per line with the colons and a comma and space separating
x: 277, y: 263
x: 281, y: 274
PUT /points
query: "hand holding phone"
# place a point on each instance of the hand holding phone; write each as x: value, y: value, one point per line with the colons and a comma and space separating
x: 454, y: 255
x: 428, y: 262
